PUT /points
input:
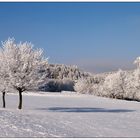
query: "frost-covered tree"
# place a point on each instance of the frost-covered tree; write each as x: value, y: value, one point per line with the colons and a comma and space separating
x: 81, y: 86
x: 25, y: 66
x: 133, y: 83
x: 137, y: 62
x: 134, y: 78
x: 84, y: 85
x: 3, y: 78
x: 3, y: 89
x: 114, y: 85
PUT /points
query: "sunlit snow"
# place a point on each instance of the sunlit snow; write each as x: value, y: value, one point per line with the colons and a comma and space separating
x: 69, y: 114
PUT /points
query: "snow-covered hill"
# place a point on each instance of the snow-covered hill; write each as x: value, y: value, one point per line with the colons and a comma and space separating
x: 69, y: 115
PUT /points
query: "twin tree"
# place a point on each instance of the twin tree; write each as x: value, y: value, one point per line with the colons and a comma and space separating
x: 21, y: 68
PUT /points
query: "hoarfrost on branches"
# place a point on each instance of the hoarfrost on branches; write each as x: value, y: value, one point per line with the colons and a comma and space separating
x: 114, y: 85
x: 24, y: 65
x: 137, y: 62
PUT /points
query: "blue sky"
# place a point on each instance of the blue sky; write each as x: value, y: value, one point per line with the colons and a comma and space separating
x: 98, y: 37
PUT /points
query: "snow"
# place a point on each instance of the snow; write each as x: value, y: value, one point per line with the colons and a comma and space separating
x: 68, y: 114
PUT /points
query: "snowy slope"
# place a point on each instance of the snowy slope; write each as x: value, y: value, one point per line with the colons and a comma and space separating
x: 69, y: 115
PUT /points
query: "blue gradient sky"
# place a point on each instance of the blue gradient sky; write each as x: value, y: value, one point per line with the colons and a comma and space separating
x: 98, y: 37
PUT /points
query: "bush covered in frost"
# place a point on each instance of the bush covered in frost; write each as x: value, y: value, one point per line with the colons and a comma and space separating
x: 120, y: 85
x: 113, y: 85
x: 89, y: 85
x: 57, y: 85
x: 82, y: 86
x: 132, y: 86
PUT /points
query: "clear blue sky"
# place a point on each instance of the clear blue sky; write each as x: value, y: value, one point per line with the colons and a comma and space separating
x: 97, y: 37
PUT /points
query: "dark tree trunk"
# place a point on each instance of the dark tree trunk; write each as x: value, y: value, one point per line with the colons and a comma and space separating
x: 3, y: 98
x: 20, y: 99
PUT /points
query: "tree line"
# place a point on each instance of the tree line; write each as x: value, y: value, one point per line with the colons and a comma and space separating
x: 120, y: 84
x: 22, y: 68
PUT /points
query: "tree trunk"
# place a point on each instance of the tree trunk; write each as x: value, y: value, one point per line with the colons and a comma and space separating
x: 20, y: 99
x: 3, y: 98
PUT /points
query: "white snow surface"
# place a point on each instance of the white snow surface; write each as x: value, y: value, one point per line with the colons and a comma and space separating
x: 68, y: 114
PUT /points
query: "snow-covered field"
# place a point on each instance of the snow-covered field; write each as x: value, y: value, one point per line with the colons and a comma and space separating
x: 69, y: 115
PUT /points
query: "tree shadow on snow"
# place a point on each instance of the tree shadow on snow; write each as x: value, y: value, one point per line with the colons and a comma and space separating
x: 84, y: 109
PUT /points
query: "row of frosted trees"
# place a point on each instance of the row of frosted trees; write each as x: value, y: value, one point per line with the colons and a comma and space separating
x: 61, y: 71
x: 24, y: 68
x: 62, y: 77
x: 21, y: 68
x: 120, y: 84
